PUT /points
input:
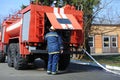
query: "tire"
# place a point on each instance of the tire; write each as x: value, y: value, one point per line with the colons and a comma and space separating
x: 2, y: 58
x: 10, y: 53
x: 20, y: 63
x: 64, y: 61
x: 44, y: 57
x: 30, y: 59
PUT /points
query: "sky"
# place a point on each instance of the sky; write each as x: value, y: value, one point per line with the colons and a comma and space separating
x: 113, y: 5
x: 10, y: 6
x: 112, y: 10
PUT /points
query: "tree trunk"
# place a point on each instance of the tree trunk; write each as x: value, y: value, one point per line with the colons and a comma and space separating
x: 87, y: 26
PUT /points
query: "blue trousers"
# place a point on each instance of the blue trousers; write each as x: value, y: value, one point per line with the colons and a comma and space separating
x: 52, y: 62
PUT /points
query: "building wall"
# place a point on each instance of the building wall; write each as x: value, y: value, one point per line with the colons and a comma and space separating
x: 100, y: 32
x: 98, y: 44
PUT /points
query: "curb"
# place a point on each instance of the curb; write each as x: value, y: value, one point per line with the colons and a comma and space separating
x: 93, y: 64
x: 112, y: 67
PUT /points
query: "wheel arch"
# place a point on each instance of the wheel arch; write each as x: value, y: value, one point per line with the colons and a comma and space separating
x: 14, y: 40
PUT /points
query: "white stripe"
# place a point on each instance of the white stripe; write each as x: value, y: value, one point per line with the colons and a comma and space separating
x: 14, y: 26
x: 70, y: 26
x: 64, y: 26
x: 62, y: 11
x: 55, y: 10
x: 3, y: 35
x: 57, y: 15
x: 64, y: 16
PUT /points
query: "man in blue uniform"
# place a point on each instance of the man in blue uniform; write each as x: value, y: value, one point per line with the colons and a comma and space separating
x: 54, y: 45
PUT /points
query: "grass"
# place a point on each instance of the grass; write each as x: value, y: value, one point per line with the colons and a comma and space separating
x: 108, y: 60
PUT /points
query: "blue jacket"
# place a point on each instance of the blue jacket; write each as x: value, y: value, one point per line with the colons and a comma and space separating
x: 54, y: 42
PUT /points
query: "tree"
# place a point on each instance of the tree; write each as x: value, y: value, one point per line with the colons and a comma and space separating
x: 89, y: 14
x: 44, y: 2
x: 23, y: 6
x: 47, y: 2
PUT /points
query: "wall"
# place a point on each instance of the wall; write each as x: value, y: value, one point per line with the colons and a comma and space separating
x: 98, y: 31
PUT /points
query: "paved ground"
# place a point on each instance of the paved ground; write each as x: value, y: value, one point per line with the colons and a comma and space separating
x: 74, y: 72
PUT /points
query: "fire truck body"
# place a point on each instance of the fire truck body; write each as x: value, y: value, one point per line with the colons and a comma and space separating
x: 22, y: 35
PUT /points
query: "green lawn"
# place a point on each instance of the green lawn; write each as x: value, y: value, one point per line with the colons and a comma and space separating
x: 109, y: 60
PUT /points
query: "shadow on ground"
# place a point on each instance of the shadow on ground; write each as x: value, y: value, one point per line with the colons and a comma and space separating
x: 72, y: 68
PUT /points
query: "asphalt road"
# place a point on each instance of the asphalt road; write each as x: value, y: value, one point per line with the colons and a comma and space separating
x: 74, y: 72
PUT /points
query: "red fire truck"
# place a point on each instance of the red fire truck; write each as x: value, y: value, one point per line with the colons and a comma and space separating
x: 22, y: 34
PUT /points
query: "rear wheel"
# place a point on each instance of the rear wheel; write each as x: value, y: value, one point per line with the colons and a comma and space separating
x: 64, y: 61
x: 45, y: 58
x: 10, y: 55
x: 2, y: 58
x: 30, y: 58
x: 20, y: 62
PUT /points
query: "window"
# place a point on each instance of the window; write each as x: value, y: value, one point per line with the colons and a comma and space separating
x: 91, y: 41
x: 114, y: 41
x: 106, y: 41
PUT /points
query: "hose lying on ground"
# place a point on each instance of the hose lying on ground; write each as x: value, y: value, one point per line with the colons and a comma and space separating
x: 100, y: 64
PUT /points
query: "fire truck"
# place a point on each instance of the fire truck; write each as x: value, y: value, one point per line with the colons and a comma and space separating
x: 22, y: 34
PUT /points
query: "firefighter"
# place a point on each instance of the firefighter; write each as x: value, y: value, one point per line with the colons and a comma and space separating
x: 55, y: 47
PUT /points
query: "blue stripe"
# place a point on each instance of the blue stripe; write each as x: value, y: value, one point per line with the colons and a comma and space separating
x: 63, y: 21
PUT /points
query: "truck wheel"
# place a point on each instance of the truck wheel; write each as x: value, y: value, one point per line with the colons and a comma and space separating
x: 45, y: 58
x: 30, y: 58
x: 2, y: 58
x: 64, y: 61
x: 10, y: 56
x: 20, y: 63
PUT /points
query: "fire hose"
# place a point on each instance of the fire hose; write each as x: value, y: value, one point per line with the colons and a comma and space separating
x: 100, y: 65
